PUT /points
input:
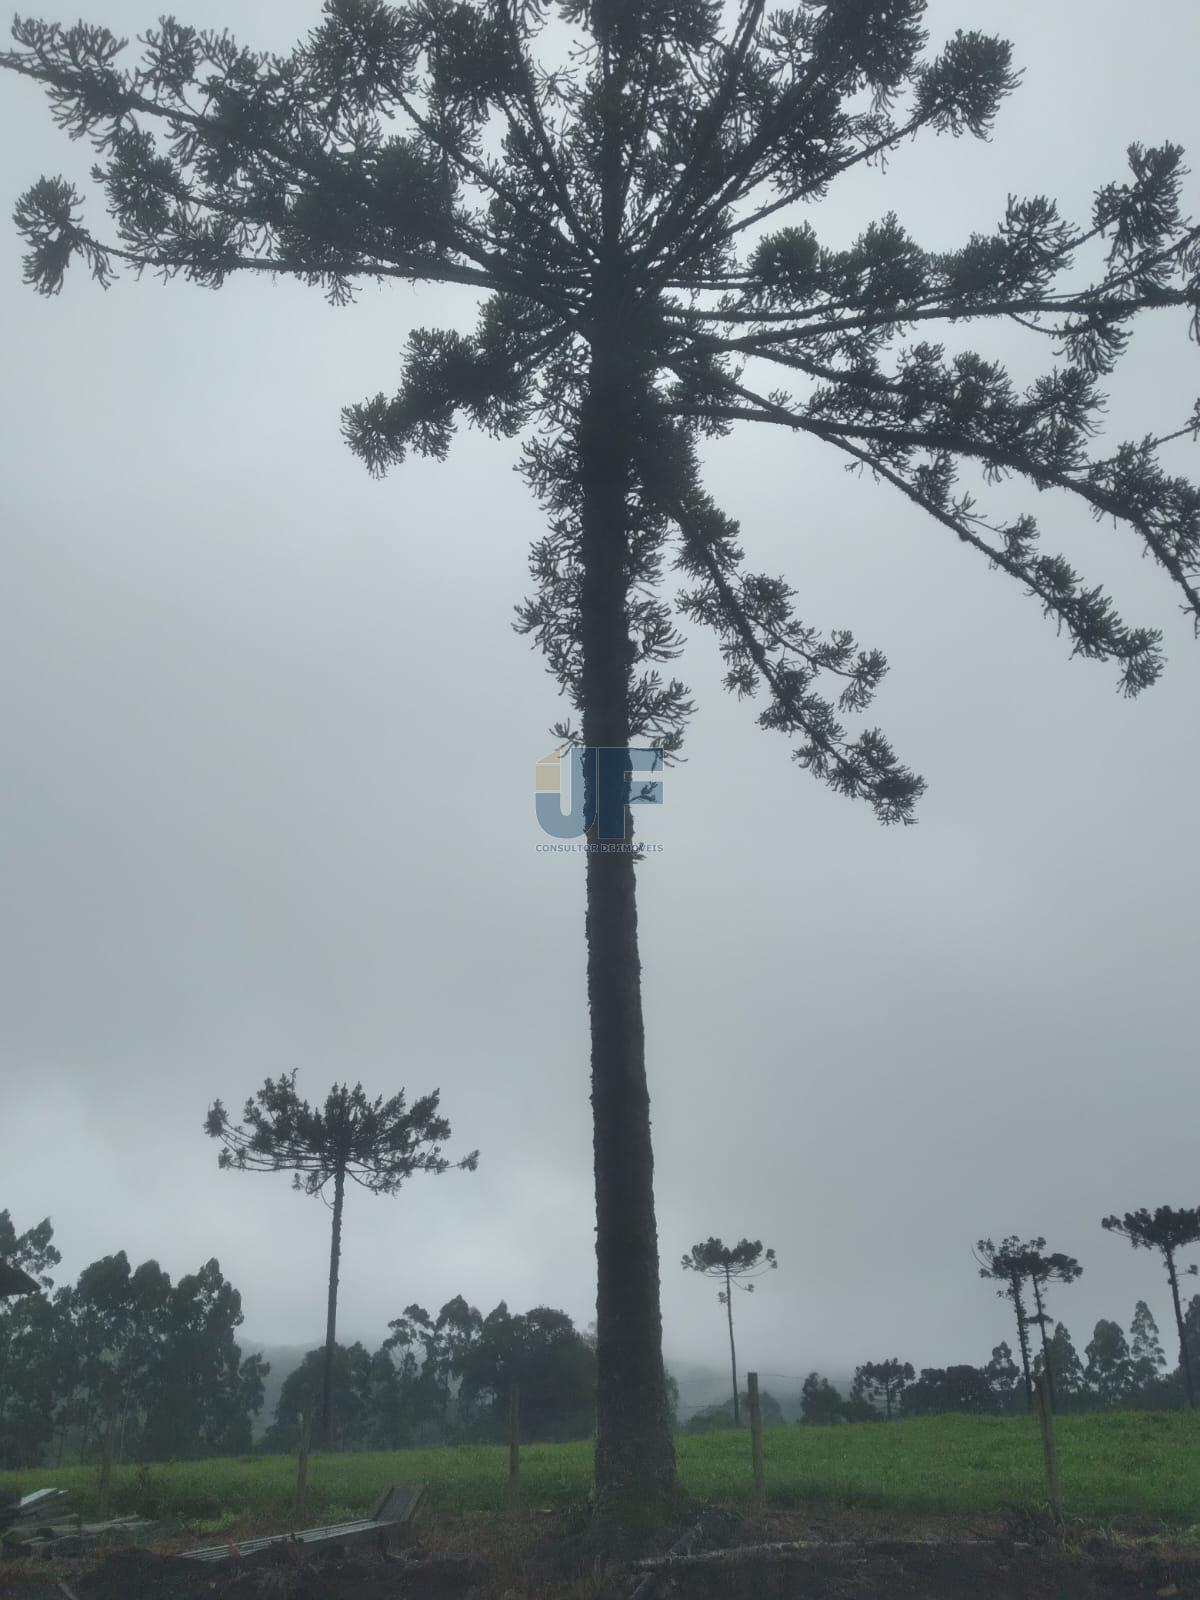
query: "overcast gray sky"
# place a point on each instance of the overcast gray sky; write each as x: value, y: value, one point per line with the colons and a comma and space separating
x: 267, y: 803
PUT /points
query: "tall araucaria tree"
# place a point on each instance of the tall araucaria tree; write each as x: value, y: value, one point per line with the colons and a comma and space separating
x: 1043, y: 1270
x: 735, y: 1265
x: 619, y: 206
x: 1010, y: 1264
x: 376, y: 1143
x: 1167, y: 1230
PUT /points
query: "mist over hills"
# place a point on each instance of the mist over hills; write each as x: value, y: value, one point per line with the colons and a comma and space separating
x: 700, y: 1384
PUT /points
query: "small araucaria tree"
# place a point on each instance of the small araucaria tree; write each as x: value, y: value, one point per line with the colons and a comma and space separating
x: 884, y: 1381
x: 376, y: 1143
x: 735, y: 1266
x: 615, y: 181
x: 1168, y: 1231
x: 1045, y: 1269
x: 1009, y: 1264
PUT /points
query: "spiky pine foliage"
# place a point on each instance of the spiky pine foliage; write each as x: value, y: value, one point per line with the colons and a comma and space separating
x: 378, y: 1144
x: 1011, y: 1264
x: 612, y: 176
x: 1168, y: 1230
x: 436, y: 140
x: 1044, y: 1270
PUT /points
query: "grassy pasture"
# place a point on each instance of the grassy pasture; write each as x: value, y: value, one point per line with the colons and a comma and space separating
x: 1140, y: 1467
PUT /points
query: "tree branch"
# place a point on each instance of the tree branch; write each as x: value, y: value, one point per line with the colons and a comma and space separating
x: 681, y: 206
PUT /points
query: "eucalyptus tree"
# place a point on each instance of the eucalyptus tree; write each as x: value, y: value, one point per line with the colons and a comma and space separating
x: 1109, y: 1373
x: 27, y: 1260
x: 1062, y: 1364
x: 736, y: 1265
x: 1167, y: 1230
x: 1145, y: 1349
x: 608, y: 178
x: 1002, y: 1376
x: 378, y: 1144
x: 27, y: 1257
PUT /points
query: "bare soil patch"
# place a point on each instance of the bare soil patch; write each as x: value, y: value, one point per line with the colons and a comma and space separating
x: 844, y: 1556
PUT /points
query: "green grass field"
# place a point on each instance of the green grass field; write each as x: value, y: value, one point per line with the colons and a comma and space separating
x: 1143, y: 1467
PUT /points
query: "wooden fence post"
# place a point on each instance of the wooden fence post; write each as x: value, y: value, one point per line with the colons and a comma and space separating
x: 1049, y: 1452
x: 104, y: 1490
x: 306, y: 1417
x: 756, y: 1442
x: 514, y: 1445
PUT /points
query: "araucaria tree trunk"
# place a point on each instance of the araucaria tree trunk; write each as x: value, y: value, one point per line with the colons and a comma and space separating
x: 1046, y: 1364
x: 1185, y: 1360
x: 1014, y: 1294
x: 634, y: 1447
x: 335, y: 1256
x: 737, y: 1421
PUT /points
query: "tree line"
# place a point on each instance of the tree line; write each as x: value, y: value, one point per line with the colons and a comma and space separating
x: 1025, y: 1268
x: 122, y: 1354
x: 446, y: 1379
x: 125, y: 1356
x: 1116, y: 1370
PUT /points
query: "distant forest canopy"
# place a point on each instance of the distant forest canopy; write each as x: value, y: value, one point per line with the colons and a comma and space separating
x: 124, y: 1349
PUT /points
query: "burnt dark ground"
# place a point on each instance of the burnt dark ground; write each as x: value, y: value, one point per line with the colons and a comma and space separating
x: 848, y: 1556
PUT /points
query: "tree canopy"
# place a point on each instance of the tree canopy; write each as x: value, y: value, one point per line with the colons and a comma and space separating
x: 376, y: 1143
x: 450, y: 142
x: 882, y: 1382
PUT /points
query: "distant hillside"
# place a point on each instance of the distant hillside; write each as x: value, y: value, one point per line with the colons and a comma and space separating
x: 283, y: 1359
x: 701, y: 1386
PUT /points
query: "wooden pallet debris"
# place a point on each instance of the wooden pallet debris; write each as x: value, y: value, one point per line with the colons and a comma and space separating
x: 28, y: 1508
x: 71, y: 1539
x: 29, y: 1518
x: 395, y: 1511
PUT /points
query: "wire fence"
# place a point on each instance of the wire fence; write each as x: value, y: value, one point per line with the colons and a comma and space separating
x: 776, y: 1377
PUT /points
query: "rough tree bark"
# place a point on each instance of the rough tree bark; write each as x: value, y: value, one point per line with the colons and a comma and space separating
x: 1022, y: 1338
x: 634, y: 1449
x: 335, y: 1256
x: 1047, y: 1368
x: 737, y: 1421
x: 1185, y: 1360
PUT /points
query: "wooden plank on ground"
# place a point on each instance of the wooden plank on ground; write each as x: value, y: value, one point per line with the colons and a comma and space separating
x: 400, y: 1504
x: 65, y: 1539
x: 29, y: 1506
